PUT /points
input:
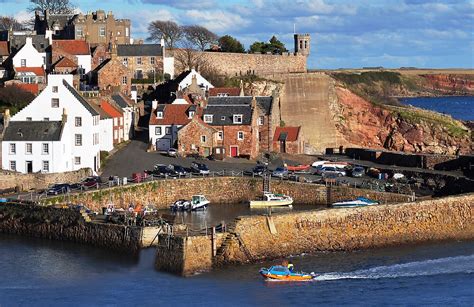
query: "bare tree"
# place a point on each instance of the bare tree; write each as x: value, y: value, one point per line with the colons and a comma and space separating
x: 187, y: 58
x: 53, y: 6
x: 7, y: 23
x: 199, y: 36
x: 170, y: 31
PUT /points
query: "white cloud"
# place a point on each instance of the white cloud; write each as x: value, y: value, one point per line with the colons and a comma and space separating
x: 141, y: 19
x: 218, y: 21
x: 23, y: 16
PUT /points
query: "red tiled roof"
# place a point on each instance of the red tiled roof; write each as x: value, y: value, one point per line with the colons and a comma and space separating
x: 4, y: 48
x: 32, y: 88
x: 39, y: 71
x: 72, y: 46
x: 230, y: 91
x: 109, y: 109
x: 173, y: 114
x: 292, y: 133
x: 65, y: 62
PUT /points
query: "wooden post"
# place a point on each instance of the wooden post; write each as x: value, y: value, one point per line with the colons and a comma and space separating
x: 214, y: 243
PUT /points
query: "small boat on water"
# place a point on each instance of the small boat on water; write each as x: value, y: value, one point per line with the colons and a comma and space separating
x: 197, y: 202
x: 358, y: 202
x: 279, y: 272
x: 272, y: 200
x: 180, y: 205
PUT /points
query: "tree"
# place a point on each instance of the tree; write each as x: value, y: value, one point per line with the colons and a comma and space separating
x: 257, y: 47
x: 14, y: 98
x: 7, y: 23
x: 230, y: 44
x: 187, y: 58
x: 199, y: 36
x: 170, y: 31
x: 53, y: 6
x: 274, y: 46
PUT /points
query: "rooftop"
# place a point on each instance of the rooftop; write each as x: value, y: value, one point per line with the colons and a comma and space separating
x: 33, y: 131
x: 288, y: 134
x: 139, y: 50
x: 224, y: 91
x: 81, y: 99
x: 173, y: 114
x: 72, y: 46
x: 223, y: 115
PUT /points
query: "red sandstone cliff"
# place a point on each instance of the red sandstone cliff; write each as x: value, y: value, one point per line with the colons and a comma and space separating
x: 449, y: 84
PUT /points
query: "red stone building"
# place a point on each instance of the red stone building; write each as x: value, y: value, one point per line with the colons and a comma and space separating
x: 288, y: 140
x: 111, y: 76
x: 99, y: 54
x: 196, y: 137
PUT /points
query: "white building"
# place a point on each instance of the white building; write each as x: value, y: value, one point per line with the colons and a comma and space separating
x: 83, y: 124
x: 188, y: 79
x: 130, y: 114
x: 28, y: 56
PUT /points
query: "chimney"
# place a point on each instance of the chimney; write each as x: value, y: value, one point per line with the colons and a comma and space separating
x: 29, y: 41
x: 113, y: 53
x: 154, y: 105
x: 6, y: 118
x: 64, y: 116
x: 254, y: 102
x: 241, y: 89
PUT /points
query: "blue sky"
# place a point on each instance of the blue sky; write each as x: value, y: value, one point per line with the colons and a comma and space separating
x: 345, y: 33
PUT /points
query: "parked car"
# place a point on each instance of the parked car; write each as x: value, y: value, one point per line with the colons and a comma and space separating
x: 178, y: 169
x: 89, y: 182
x: 172, y: 152
x: 331, y: 169
x: 258, y: 170
x: 199, y: 168
x: 164, y: 171
x: 358, y: 171
x: 281, y: 172
x: 59, y: 188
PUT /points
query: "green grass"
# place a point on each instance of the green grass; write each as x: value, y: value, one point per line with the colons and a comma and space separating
x: 369, y: 77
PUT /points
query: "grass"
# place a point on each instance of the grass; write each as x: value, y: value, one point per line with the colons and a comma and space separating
x: 369, y: 77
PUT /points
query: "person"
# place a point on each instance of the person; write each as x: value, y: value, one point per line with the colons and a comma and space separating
x: 290, y: 266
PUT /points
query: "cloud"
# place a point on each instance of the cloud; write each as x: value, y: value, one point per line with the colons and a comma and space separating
x: 183, y: 4
x: 218, y: 21
x: 141, y: 19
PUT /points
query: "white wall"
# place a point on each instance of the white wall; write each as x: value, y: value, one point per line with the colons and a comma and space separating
x: 30, y: 54
x: 85, y: 62
x: 106, y: 134
x: 168, y: 66
x: 173, y: 137
x: 200, y: 81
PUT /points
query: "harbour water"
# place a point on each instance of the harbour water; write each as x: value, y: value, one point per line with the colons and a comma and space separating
x: 41, y: 272
x: 459, y: 107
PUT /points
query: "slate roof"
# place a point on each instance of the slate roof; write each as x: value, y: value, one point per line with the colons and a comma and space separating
x: 230, y: 91
x: 227, y: 112
x: 33, y: 131
x: 81, y: 99
x: 72, y: 46
x: 265, y: 102
x: 121, y: 101
x: 139, y: 50
x: 288, y: 134
x: 39, y: 42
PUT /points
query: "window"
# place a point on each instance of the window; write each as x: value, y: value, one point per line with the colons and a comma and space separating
x: 203, y: 139
x: 29, y: 119
x: 139, y: 61
x: 44, y: 60
x: 261, y: 120
x: 138, y: 74
x: 158, y: 130
x: 79, y: 32
x: 152, y: 60
x: 45, y: 149
x: 78, y: 121
x: 124, y: 80
x: 54, y: 102
x: 121, y: 121
x: 159, y: 114
x: 222, y: 118
x: 54, y: 89
x: 77, y: 160
x: 78, y: 139
x: 46, y: 166
x: 220, y: 135
x: 29, y: 148
x: 95, y: 139
x: 115, y: 121
x: 125, y: 61
x: 13, y: 165
x: 118, y: 33
x: 168, y: 130
x: 102, y: 31
x: 218, y: 150
x: 126, y: 32
x: 238, y: 119
x: 12, y: 150
x: 208, y: 118
x: 46, y: 119
x: 191, y: 114
x: 115, y: 134
x: 23, y: 62
x: 240, y: 135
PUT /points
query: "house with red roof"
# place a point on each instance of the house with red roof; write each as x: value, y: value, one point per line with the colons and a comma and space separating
x: 288, y: 140
x: 31, y: 79
x: 77, y: 51
x: 118, y: 123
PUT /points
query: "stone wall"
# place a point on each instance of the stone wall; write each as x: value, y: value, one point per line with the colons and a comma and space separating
x: 66, y: 225
x: 25, y: 182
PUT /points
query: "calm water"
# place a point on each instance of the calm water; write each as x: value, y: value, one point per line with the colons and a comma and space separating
x: 459, y: 107
x: 40, y: 272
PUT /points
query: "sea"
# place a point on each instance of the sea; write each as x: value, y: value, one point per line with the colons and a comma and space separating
x: 459, y: 107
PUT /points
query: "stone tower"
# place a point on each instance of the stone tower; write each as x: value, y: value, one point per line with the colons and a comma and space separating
x: 302, y: 44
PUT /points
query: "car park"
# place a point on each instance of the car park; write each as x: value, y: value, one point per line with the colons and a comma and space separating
x: 199, y: 168
x: 59, y: 188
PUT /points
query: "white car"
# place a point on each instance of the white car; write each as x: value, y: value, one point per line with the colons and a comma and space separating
x: 172, y: 152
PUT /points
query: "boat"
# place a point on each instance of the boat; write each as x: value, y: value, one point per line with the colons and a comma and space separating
x: 198, y: 202
x: 180, y: 205
x: 279, y: 272
x: 272, y: 200
x: 358, y: 202
x: 297, y: 168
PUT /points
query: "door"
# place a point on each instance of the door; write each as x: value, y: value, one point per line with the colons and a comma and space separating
x: 163, y: 144
x: 29, y: 166
x: 234, y: 151
x: 282, y: 146
x: 207, y: 151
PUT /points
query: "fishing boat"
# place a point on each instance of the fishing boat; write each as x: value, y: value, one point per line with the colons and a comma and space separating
x: 198, y: 202
x: 180, y: 205
x: 279, y: 272
x: 272, y: 200
x: 358, y: 202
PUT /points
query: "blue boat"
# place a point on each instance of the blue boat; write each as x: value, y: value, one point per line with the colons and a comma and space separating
x: 279, y: 272
x: 358, y: 202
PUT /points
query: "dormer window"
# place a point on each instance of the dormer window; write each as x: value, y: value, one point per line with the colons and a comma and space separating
x: 159, y: 114
x: 208, y: 118
x: 223, y: 118
x: 237, y: 118
x: 191, y: 114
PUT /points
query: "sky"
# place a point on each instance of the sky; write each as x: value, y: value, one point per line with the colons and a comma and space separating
x: 344, y: 33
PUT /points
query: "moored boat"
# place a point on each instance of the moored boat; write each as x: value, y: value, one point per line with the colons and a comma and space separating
x: 180, y: 205
x: 198, y: 202
x: 272, y: 200
x: 358, y: 202
x: 279, y: 272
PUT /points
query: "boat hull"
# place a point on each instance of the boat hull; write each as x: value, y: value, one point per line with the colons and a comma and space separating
x: 293, y: 277
x: 270, y: 203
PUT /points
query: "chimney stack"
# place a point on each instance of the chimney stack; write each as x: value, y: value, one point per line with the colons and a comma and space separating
x: 241, y: 88
x: 6, y: 118
x: 64, y: 116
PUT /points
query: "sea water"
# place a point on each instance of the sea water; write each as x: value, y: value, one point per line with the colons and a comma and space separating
x: 459, y: 107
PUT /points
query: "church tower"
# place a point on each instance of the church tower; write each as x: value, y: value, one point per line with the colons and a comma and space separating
x: 302, y: 44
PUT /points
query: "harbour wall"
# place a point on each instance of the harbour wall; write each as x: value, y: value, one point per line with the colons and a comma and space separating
x: 162, y: 193
x: 66, y: 225
x: 254, y: 238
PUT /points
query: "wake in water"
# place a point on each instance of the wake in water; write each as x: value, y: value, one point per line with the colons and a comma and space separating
x: 449, y: 265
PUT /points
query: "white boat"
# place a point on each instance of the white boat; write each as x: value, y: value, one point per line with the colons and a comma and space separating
x: 180, y: 205
x: 358, y: 202
x: 198, y: 202
x: 272, y: 200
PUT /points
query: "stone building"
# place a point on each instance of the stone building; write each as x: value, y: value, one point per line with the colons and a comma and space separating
x: 288, y: 140
x: 144, y: 61
x: 111, y: 76
x: 94, y: 27
x: 196, y: 137
x: 99, y: 54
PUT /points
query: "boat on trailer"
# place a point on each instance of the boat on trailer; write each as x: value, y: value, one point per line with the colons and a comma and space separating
x: 272, y: 200
x: 281, y: 273
x: 358, y: 202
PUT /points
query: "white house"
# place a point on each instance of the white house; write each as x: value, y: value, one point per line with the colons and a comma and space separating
x: 28, y: 56
x: 188, y: 79
x: 166, y: 120
x: 83, y: 124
